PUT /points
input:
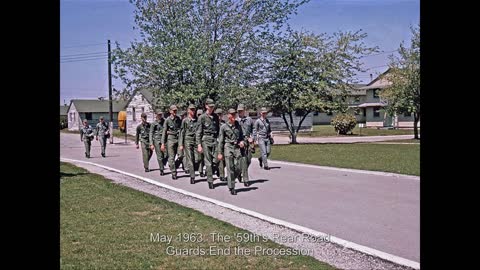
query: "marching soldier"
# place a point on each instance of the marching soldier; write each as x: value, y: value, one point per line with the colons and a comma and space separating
x: 200, y: 162
x: 171, y: 131
x: 187, y: 141
x: 263, y: 133
x: 156, y: 130
x: 206, y: 138
x: 143, y: 135
x: 102, y: 131
x: 221, y: 163
x: 247, y: 127
x: 230, y: 146
x: 86, y: 136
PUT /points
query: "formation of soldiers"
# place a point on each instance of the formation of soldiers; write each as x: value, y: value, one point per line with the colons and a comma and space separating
x: 201, y: 138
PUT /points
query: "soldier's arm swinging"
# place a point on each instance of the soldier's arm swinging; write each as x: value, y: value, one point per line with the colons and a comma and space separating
x: 181, y: 137
x: 137, y: 135
x: 150, y: 135
x: 221, y: 144
x: 164, y: 135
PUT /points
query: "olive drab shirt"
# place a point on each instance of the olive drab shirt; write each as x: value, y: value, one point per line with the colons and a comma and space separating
x: 229, y: 135
x: 262, y: 129
x: 86, y: 133
x: 208, y: 125
x: 247, y: 125
x: 156, y: 131
x: 188, y: 131
x: 143, y: 133
x: 171, y: 127
x: 101, y: 129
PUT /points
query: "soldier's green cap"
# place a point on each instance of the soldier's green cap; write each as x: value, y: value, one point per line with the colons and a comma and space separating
x: 219, y: 111
x: 199, y: 112
x: 241, y: 107
x: 232, y: 110
x: 173, y: 107
x: 101, y: 117
x: 191, y: 106
x: 210, y: 102
x: 143, y: 115
x: 263, y: 110
x: 158, y: 111
x: 85, y: 120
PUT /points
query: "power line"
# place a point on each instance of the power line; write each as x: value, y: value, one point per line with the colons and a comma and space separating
x: 85, y: 45
x: 82, y: 57
x: 79, y: 60
x: 69, y: 55
x: 378, y: 53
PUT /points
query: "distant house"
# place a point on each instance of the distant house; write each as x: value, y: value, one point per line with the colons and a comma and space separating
x: 91, y: 110
x: 354, y: 98
x: 63, y: 116
x: 142, y: 101
x: 373, y: 107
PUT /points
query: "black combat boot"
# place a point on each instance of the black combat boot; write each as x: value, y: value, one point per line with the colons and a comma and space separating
x: 260, y: 162
x: 233, y: 191
x: 174, y: 176
x: 210, y: 185
x: 147, y: 170
x: 162, y: 173
x: 192, y: 180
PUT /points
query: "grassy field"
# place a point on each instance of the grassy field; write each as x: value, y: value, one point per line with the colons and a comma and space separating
x: 108, y: 226
x: 328, y: 130
x: 396, y: 158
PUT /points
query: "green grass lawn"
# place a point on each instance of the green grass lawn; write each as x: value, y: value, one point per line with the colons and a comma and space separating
x: 396, y: 158
x: 328, y: 130
x: 403, y: 141
x: 107, y: 226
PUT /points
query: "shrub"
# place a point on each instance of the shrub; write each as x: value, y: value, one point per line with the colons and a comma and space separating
x: 344, y: 123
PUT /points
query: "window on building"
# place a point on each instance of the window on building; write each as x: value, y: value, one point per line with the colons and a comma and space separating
x: 134, y: 116
x: 375, y: 93
x: 407, y: 114
x: 315, y: 113
x: 88, y: 116
x: 143, y: 109
x: 376, y: 111
x: 365, y: 112
x: 356, y: 111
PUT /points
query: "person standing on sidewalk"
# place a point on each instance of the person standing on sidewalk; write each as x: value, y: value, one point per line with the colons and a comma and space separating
x: 102, y: 131
x: 156, y: 130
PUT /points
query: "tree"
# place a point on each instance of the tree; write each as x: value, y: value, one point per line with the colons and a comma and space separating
x: 311, y: 72
x: 403, y: 95
x: 194, y: 49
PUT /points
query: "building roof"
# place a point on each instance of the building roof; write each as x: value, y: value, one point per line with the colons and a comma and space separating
x: 92, y: 105
x: 63, y: 109
x: 372, y: 104
x: 379, y: 82
x: 146, y: 93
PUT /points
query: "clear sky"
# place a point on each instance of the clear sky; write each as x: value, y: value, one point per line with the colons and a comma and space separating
x: 86, y: 25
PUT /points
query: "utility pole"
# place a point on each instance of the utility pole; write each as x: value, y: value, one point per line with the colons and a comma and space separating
x: 110, y: 91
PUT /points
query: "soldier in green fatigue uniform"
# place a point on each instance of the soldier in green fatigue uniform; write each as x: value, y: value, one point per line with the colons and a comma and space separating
x: 171, y: 132
x: 221, y: 163
x: 263, y: 133
x: 86, y: 136
x: 143, y: 135
x: 206, y: 138
x: 200, y: 164
x: 102, y: 131
x: 156, y: 130
x: 230, y: 146
x: 187, y: 141
x: 247, y: 126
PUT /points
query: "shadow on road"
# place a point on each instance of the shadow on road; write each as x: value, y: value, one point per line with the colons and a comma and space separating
x: 246, y: 189
x: 257, y: 181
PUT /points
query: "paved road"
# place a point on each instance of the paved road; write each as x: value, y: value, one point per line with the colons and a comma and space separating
x: 377, y: 211
x: 354, y: 139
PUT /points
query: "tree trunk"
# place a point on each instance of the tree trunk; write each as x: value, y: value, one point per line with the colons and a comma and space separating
x: 416, y: 117
x: 294, y: 138
x: 292, y: 129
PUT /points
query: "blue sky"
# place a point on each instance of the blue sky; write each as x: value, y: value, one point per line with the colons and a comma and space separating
x: 86, y: 25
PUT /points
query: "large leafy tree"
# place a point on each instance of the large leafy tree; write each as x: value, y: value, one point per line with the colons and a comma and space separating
x: 311, y: 72
x: 194, y: 49
x: 404, y: 93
